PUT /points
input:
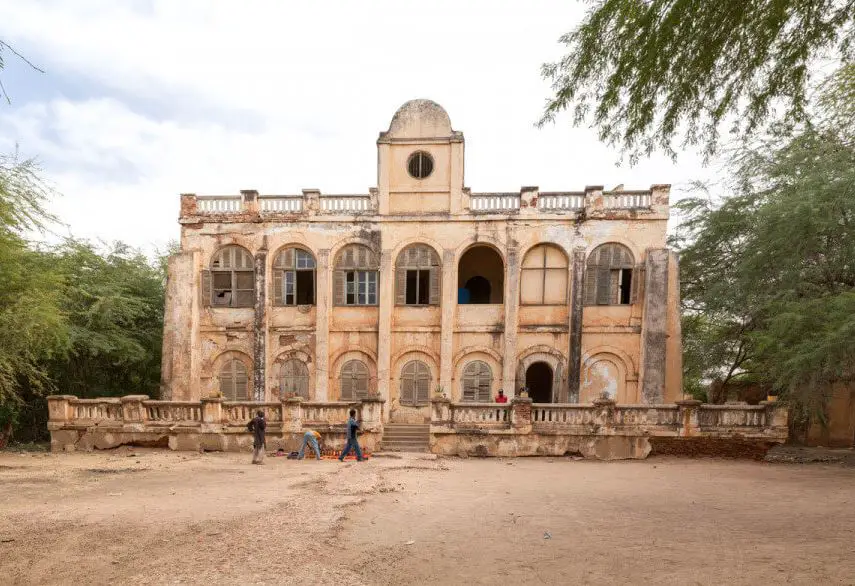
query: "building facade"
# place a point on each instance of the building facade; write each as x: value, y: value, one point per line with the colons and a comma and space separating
x: 421, y: 287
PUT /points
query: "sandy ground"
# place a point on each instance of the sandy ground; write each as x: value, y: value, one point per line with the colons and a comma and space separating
x: 148, y: 516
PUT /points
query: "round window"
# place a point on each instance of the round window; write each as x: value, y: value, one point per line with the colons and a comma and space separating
x: 420, y: 165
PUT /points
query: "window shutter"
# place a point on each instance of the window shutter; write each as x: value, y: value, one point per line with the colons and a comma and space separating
x: 400, y: 286
x: 435, y: 289
x: 348, y: 260
x: 206, y: 288
x: 278, y: 278
x: 637, y: 284
x: 603, y: 282
x: 338, y: 287
x: 423, y: 390
x: 468, y: 388
x: 590, y: 286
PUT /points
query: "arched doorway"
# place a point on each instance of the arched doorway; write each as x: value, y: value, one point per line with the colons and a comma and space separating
x: 538, y: 380
x: 480, y: 276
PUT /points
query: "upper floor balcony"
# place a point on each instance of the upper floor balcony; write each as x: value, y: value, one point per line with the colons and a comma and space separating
x: 529, y: 202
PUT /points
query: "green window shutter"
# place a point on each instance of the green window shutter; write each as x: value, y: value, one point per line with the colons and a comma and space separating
x: 206, y: 288
x: 435, y: 286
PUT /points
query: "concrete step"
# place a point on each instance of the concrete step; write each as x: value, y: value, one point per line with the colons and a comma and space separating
x: 404, y: 448
x: 404, y: 433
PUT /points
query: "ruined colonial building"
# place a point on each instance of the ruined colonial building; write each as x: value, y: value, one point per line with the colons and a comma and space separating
x: 421, y: 287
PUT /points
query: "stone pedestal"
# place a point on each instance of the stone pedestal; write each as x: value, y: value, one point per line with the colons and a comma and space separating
x: 212, y: 414
x: 605, y: 414
x: 372, y: 414
x: 59, y: 410
x: 688, y: 415
x: 440, y: 411
x: 776, y: 418
x: 134, y: 415
x: 292, y: 415
x: 521, y: 414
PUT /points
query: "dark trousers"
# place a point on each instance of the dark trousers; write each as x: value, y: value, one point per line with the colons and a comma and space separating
x: 352, y: 444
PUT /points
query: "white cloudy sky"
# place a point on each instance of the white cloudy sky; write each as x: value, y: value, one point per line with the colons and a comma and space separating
x: 142, y: 100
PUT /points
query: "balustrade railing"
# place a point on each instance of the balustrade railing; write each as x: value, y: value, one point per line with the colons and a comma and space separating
x: 500, y: 202
x: 279, y: 204
x: 345, y: 203
x: 731, y: 416
x: 627, y: 201
x: 240, y: 412
x: 219, y: 204
x: 561, y: 201
x: 97, y: 409
x: 327, y: 413
x: 562, y: 414
x: 480, y: 414
x: 172, y: 411
x: 667, y: 415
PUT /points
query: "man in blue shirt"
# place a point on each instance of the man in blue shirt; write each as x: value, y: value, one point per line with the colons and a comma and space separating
x: 352, y: 443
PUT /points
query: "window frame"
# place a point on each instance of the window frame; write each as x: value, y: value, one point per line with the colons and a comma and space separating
x: 235, y: 266
x: 544, y: 271
x: 420, y: 372
x: 353, y: 376
x: 356, y: 273
x: 286, y: 270
x: 418, y: 258
x: 605, y: 271
x: 232, y: 376
x: 303, y: 374
x: 420, y: 157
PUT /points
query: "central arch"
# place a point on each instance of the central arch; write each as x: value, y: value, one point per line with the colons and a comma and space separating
x: 480, y: 276
x: 538, y: 380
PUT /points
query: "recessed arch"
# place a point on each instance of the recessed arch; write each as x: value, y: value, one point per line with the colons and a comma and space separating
x: 281, y: 388
x: 229, y: 280
x: 544, y: 275
x: 418, y: 275
x: 233, y: 372
x: 609, y: 275
x: 480, y: 275
x: 551, y: 357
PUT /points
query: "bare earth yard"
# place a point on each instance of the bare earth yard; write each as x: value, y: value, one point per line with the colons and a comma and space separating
x: 148, y: 516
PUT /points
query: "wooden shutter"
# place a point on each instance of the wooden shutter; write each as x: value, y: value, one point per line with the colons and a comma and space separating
x: 435, y: 286
x: 637, y: 284
x: 400, y: 285
x: 590, y: 287
x: 338, y: 287
x: 278, y: 287
x: 288, y: 261
x: 205, y: 288
x: 603, y: 282
x: 423, y: 387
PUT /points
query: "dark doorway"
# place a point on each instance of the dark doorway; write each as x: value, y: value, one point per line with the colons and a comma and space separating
x: 478, y: 289
x: 480, y: 276
x: 538, y: 379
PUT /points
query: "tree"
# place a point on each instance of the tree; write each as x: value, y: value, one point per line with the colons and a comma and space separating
x: 7, y: 48
x: 648, y: 72
x: 768, y: 275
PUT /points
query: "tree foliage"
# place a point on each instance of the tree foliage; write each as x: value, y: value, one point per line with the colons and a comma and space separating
x: 768, y: 274
x: 647, y: 72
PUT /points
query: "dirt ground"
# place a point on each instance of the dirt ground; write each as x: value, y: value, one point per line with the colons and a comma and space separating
x: 149, y: 516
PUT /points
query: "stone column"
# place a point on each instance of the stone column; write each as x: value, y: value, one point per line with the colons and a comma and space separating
x: 521, y: 414
x: 384, y: 327
x: 134, y: 415
x: 512, y: 298
x: 653, y: 326
x: 323, y: 308
x: 577, y: 291
x: 180, y: 315
x: 448, y: 308
x: 688, y: 415
x: 260, y: 328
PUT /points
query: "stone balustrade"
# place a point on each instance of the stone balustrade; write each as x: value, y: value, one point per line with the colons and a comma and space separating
x: 209, y: 424
x: 249, y: 205
x: 598, y: 430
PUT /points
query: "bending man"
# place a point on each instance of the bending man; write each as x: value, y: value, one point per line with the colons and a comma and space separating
x: 311, y: 437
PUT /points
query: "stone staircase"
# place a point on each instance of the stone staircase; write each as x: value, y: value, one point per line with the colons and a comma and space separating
x: 405, y: 437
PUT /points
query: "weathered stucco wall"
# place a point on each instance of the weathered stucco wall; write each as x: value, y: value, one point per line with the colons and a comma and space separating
x: 440, y: 213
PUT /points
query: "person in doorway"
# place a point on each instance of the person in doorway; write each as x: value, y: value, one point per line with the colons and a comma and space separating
x: 352, y: 443
x: 257, y: 426
x: 311, y: 437
x: 501, y: 398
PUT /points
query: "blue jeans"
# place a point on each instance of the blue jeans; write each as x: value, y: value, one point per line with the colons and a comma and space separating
x: 352, y: 444
x: 308, y: 438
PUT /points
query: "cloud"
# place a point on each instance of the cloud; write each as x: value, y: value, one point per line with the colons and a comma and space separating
x: 213, y: 97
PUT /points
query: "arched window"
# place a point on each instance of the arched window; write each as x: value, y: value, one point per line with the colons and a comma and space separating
x: 231, y: 280
x: 294, y: 277
x: 480, y: 276
x: 234, y: 382
x: 356, y: 276
x: 477, y: 382
x: 609, y: 275
x: 294, y: 379
x: 354, y: 380
x: 415, y: 384
x: 544, y: 276
x: 417, y: 276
